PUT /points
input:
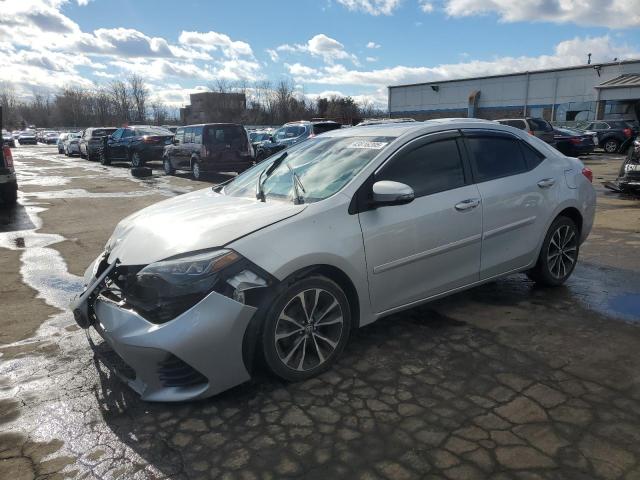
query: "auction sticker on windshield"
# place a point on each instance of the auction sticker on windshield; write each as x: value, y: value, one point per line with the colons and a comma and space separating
x: 368, y: 145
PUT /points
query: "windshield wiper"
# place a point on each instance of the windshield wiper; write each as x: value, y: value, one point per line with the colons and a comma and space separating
x: 297, y: 185
x: 268, y: 171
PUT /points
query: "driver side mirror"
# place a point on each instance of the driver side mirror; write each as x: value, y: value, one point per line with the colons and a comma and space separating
x: 387, y: 192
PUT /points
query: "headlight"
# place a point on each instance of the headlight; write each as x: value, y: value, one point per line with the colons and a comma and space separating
x: 190, y: 268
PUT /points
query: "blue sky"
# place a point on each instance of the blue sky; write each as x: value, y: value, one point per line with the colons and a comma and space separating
x: 347, y: 47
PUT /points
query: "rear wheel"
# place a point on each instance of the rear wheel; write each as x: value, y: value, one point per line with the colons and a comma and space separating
x: 196, y: 173
x: 168, y: 168
x: 306, y: 328
x: 611, y: 145
x: 559, y: 254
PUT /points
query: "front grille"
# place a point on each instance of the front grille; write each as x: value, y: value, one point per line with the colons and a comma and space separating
x: 173, y: 372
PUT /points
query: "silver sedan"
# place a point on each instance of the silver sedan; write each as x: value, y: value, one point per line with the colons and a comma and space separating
x: 280, y: 264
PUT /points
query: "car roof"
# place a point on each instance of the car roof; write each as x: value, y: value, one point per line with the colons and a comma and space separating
x: 400, y: 129
x: 224, y: 124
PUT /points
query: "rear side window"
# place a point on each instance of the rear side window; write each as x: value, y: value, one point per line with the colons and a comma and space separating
x: 197, y: 135
x: 127, y: 133
x: 532, y: 157
x: 539, y: 124
x: 188, y: 135
x: 495, y: 157
x: 229, y: 134
x: 431, y: 168
x: 294, y: 131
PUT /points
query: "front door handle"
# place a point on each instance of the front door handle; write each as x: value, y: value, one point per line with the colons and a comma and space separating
x: 547, y: 182
x: 468, y: 204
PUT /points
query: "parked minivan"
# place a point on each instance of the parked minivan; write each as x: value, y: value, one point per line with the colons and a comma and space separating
x: 537, y: 127
x: 211, y: 147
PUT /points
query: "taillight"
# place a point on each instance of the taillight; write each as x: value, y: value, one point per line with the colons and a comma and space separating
x: 8, y: 157
x: 147, y: 139
x: 586, y: 171
x: 627, y: 132
x: 575, y: 141
x: 531, y: 132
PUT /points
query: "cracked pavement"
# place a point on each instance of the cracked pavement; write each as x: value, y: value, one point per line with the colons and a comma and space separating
x: 505, y: 381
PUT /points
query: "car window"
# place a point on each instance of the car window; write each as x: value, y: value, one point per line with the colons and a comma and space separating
x: 179, y: 136
x: 430, y: 168
x: 532, y: 157
x: 600, y: 126
x: 495, y: 157
x: 539, y: 124
x: 295, y: 131
x: 152, y: 131
x: 227, y: 134
x: 188, y: 135
x: 319, y: 128
x: 197, y: 135
x: 127, y: 132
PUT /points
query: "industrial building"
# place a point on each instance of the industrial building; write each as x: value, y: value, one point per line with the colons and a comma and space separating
x: 587, y: 92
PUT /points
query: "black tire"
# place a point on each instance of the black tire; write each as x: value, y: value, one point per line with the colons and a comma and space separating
x: 322, y: 353
x: 558, y: 255
x: 611, y: 145
x: 168, y: 168
x: 104, y: 159
x: 196, y: 173
x: 82, y: 155
x: 9, y: 194
x: 136, y: 160
x: 141, y: 172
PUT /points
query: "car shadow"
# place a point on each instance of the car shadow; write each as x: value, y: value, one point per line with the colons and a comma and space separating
x: 14, y: 218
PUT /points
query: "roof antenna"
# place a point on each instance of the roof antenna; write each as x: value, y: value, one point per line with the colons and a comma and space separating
x: 588, y: 59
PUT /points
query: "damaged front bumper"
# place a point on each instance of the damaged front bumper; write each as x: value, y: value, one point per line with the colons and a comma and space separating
x: 197, y: 354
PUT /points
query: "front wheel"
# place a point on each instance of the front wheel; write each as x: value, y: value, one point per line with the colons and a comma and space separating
x: 104, y: 158
x: 611, y: 145
x: 168, y: 168
x: 306, y: 328
x: 136, y: 160
x: 559, y: 254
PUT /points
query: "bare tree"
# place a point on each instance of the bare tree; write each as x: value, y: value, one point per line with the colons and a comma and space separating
x: 139, y: 94
x: 121, y: 99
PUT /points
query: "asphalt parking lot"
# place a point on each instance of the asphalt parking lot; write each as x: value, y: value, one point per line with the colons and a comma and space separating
x: 506, y: 381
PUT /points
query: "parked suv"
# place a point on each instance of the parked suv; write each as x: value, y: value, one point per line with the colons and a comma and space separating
x: 613, y: 135
x: 136, y: 144
x: 212, y: 147
x: 537, y: 127
x: 292, y: 133
x: 8, y: 182
x: 283, y: 262
x: 92, y: 140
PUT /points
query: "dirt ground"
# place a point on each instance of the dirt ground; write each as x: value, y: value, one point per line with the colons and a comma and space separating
x: 505, y: 381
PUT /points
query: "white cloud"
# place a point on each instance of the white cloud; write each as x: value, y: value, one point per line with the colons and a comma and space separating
x: 604, y: 13
x: 570, y: 52
x: 372, y: 7
x: 217, y: 42
x: 373, y: 45
x: 371, y: 59
x: 426, y: 6
x: 320, y: 45
x: 273, y: 55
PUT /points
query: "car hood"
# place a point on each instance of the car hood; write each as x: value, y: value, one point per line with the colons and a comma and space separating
x: 194, y: 221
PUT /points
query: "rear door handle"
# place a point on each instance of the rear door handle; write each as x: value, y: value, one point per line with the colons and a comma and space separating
x: 468, y: 204
x: 547, y: 182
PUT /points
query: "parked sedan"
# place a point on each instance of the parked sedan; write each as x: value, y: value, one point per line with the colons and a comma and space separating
x: 72, y: 144
x: 51, y: 138
x: 332, y: 234
x: 573, y: 142
x: 292, y: 133
x: 613, y: 135
x: 136, y: 144
x: 92, y: 140
x: 27, y: 138
x: 60, y: 143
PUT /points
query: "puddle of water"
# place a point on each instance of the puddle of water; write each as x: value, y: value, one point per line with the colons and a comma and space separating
x: 627, y: 304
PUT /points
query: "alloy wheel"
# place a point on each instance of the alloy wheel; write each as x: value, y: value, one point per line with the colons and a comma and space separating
x: 611, y: 146
x: 308, y: 329
x: 136, y: 160
x: 563, y: 251
x: 196, y: 170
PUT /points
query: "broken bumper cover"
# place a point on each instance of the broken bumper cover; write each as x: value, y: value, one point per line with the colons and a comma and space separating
x: 195, y: 355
